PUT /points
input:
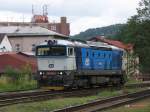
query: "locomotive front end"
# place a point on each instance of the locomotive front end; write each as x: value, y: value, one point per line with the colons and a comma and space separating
x: 55, y: 64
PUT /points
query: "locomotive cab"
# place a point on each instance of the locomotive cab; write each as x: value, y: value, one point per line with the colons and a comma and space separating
x: 55, y: 63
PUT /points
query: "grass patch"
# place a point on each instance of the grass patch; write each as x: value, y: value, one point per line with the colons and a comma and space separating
x: 16, y: 80
x: 5, y: 85
x: 132, y: 81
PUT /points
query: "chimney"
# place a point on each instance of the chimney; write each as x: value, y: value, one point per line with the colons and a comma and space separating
x: 63, y: 20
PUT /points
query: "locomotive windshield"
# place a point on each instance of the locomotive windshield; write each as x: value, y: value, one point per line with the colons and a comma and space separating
x: 51, y: 51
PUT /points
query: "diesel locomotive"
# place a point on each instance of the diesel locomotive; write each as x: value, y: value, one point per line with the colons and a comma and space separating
x: 64, y: 64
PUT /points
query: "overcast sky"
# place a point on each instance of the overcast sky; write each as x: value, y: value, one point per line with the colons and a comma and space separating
x: 81, y: 14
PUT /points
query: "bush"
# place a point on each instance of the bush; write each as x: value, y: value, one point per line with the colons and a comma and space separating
x: 26, y: 72
x: 12, y: 74
x: 14, y: 79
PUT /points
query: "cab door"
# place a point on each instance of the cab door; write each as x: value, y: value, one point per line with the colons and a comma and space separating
x: 71, y: 61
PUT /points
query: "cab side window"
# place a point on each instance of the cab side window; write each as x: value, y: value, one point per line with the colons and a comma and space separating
x: 70, y: 52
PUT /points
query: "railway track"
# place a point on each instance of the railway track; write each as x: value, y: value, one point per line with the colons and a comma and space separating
x: 38, y: 95
x: 107, y: 103
x: 24, y: 97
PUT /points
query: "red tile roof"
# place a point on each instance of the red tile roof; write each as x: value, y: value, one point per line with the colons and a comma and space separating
x: 113, y: 42
x: 16, y: 61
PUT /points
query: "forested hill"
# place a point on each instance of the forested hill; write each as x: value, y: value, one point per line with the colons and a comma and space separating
x: 108, y: 31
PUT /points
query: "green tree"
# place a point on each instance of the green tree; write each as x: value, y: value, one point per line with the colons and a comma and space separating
x: 137, y: 32
x: 144, y: 10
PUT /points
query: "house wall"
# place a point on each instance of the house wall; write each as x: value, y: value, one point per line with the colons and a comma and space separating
x: 25, y: 44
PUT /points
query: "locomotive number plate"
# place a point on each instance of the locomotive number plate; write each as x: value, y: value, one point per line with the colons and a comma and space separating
x: 51, y: 65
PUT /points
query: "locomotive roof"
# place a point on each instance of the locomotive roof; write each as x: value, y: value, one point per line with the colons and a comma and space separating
x: 98, y: 44
x: 67, y: 43
x: 103, y: 45
x: 75, y: 43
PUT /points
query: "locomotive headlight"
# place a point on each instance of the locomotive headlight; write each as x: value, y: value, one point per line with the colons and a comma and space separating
x: 60, y: 73
x: 41, y: 73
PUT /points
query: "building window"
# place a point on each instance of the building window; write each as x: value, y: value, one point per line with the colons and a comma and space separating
x: 53, y: 27
x: 3, y: 49
x: 17, y: 47
x: 33, y: 47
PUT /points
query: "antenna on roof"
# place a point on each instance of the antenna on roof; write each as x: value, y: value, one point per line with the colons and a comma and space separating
x: 45, y: 13
x: 32, y: 9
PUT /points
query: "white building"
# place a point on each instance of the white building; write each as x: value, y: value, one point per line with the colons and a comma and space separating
x: 25, y: 38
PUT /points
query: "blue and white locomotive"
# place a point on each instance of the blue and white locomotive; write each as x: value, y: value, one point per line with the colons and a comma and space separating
x: 73, y: 64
